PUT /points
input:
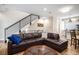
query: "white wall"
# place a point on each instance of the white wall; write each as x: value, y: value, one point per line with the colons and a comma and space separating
x: 48, y: 25
x: 55, y: 25
x: 8, y: 18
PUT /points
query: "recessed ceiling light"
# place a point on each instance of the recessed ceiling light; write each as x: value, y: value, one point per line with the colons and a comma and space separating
x: 65, y: 9
x: 45, y: 9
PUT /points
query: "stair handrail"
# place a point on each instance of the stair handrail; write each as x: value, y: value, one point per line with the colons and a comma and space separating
x: 19, y: 24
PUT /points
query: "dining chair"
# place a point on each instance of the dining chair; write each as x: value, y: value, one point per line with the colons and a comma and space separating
x: 74, y: 38
x: 72, y: 33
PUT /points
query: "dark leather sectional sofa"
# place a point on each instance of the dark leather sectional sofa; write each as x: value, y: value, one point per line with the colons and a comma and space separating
x: 32, y: 39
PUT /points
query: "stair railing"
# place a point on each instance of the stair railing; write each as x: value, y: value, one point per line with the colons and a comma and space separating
x: 16, y: 27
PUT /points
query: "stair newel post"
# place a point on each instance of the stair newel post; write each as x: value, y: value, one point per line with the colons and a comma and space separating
x: 5, y: 35
x: 30, y: 19
x: 38, y: 17
x: 19, y: 27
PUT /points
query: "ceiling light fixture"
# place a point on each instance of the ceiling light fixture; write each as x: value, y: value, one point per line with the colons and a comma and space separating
x: 65, y: 9
x: 45, y: 9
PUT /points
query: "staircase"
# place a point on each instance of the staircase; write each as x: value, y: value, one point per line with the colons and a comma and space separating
x: 16, y: 27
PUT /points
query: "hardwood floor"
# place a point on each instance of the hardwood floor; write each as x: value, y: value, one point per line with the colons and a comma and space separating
x: 71, y: 50
x: 3, y: 48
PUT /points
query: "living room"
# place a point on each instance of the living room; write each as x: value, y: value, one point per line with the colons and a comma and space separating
x: 42, y: 29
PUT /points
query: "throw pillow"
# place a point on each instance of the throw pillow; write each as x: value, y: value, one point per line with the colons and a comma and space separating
x: 15, y: 39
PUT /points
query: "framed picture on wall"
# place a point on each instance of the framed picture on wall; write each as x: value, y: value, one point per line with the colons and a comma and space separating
x: 40, y: 25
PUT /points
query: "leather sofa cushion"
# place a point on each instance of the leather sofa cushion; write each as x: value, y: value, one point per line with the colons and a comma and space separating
x: 28, y: 36
x: 56, y: 36
x: 37, y: 35
x: 50, y: 35
x: 60, y: 42
x: 32, y: 35
x: 53, y: 36
x: 25, y: 42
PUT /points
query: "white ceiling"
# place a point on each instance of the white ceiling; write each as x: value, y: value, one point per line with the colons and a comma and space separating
x: 52, y: 9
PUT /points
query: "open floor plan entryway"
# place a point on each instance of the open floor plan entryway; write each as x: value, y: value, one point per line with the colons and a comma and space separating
x: 39, y: 29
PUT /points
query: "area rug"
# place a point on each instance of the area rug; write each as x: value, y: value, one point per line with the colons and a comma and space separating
x: 40, y: 50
